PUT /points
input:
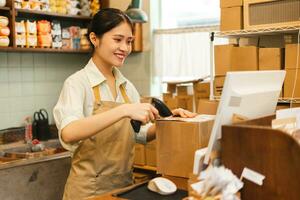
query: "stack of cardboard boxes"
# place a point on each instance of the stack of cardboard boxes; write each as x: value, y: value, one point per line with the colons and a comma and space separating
x: 145, y: 155
x: 255, y: 53
x: 188, y: 96
x: 248, y: 58
x: 231, y: 15
x: 178, y: 97
x: 233, y: 58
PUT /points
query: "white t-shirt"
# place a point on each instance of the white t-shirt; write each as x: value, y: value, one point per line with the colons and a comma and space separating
x: 76, y: 99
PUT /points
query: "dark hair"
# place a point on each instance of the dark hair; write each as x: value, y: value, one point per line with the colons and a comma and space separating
x: 106, y: 19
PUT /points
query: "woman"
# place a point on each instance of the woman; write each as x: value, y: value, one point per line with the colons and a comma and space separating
x: 94, y: 110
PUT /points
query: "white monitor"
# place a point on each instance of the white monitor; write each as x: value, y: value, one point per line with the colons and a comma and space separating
x: 251, y: 94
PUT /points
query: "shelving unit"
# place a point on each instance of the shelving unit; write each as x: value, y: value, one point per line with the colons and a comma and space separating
x: 288, y: 101
x: 4, y: 8
x: 282, y: 30
x: 49, y: 50
x: 50, y: 14
x: 259, y: 32
x: 13, y: 14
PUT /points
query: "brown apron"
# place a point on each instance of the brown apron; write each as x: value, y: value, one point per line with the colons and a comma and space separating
x: 104, y: 161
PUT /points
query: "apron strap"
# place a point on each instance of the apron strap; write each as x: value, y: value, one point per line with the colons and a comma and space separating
x: 96, y: 90
x: 123, y: 92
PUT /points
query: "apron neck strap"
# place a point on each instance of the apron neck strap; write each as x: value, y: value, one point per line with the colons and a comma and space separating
x: 96, y: 90
x: 123, y: 92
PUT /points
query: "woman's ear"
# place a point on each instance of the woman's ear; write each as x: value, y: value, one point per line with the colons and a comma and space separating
x: 94, y: 39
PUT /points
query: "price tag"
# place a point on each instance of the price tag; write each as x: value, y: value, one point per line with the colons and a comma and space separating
x: 252, y: 176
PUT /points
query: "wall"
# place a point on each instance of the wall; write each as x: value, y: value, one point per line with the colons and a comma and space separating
x: 30, y: 81
x: 137, y: 67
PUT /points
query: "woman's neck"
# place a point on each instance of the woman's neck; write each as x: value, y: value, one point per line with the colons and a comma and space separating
x: 105, y: 69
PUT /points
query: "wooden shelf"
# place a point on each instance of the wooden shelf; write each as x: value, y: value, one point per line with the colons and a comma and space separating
x: 288, y: 100
x: 258, y: 32
x: 67, y: 20
x: 49, y: 50
x: 4, y: 8
x: 145, y: 167
x: 51, y: 14
x: 280, y: 100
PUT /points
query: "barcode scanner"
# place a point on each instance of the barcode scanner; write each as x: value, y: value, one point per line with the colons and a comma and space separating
x: 163, y: 111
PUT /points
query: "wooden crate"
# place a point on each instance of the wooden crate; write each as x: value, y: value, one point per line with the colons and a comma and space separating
x: 271, y: 13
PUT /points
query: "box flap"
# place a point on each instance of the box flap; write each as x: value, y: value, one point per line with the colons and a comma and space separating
x: 198, y: 118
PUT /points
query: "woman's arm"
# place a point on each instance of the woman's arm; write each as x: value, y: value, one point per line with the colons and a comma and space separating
x: 89, y: 126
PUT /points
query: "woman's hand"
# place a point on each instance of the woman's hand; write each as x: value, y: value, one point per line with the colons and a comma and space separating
x: 183, y: 113
x: 143, y: 112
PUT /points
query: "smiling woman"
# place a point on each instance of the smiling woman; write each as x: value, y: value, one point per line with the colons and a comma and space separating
x: 94, y: 110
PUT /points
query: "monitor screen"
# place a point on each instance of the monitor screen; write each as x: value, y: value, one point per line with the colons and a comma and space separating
x: 251, y: 94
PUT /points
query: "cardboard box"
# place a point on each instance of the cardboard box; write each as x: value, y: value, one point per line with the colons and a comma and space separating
x: 218, y: 85
x: 289, y: 83
x: 167, y: 96
x: 185, y: 102
x: 139, y: 154
x: 151, y: 153
x: 230, y: 3
x: 291, y: 56
x: 272, y: 41
x: 244, y: 58
x: 202, y: 89
x: 253, y: 41
x: 270, y: 13
x: 231, y: 18
x: 172, y: 103
x: 171, y: 87
x: 270, y: 59
x: 182, y: 90
x: 207, y: 107
x: 223, y: 54
x: 177, y: 142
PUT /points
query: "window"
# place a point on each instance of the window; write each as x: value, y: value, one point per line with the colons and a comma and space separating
x: 182, y: 48
x: 182, y: 13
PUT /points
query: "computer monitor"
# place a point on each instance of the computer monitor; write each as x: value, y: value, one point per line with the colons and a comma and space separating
x: 251, y: 94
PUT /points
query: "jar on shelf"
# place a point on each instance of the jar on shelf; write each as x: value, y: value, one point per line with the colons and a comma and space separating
x: 4, y: 31
x: 3, y: 21
x: 2, y: 3
x: 4, y: 41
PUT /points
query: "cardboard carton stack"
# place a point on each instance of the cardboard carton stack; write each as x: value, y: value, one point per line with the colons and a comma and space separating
x: 231, y: 15
x: 233, y: 58
x: 191, y: 95
x: 201, y: 92
x: 178, y: 97
x: 145, y: 155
